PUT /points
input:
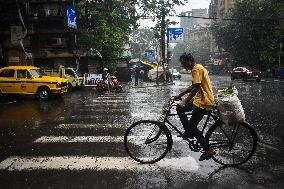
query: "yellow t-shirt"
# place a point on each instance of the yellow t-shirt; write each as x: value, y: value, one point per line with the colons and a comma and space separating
x: 204, y: 98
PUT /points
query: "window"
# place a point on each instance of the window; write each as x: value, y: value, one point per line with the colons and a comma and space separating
x: 22, y: 74
x: 7, y: 73
x: 37, y: 73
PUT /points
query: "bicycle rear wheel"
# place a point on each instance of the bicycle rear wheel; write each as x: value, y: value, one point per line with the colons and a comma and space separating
x: 147, y: 141
x: 234, y: 144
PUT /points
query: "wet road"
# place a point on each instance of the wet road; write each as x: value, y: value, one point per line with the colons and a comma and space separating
x: 76, y: 141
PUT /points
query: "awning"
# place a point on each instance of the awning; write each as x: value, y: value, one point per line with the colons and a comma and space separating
x: 153, y: 65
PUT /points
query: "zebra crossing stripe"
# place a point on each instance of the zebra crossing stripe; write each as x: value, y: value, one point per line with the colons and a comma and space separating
x: 89, y: 139
x: 28, y: 163
x: 111, y: 97
x: 110, y: 101
x: 99, y: 109
x: 73, y: 139
x: 99, y: 105
x: 84, y: 126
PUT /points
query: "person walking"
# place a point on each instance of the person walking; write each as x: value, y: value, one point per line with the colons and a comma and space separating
x: 141, y: 74
x: 200, y: 100
x: 136, y: 74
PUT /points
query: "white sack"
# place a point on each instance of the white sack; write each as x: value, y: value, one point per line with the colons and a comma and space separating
x: 230, y: 108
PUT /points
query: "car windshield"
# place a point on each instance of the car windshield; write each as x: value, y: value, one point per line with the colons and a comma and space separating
x: 37, y: 72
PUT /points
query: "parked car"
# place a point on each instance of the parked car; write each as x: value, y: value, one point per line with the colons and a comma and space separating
x: 152, y: 74
x: 175, y: 73
x: 30, y: 80
x: 74, y: 81
x: 245, y: 74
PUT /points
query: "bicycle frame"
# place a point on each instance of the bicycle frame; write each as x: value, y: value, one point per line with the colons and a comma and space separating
x: 221, y: 137
x: 169, y: 114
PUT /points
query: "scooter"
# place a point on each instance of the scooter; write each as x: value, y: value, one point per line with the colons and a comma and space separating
x: 109, y: 85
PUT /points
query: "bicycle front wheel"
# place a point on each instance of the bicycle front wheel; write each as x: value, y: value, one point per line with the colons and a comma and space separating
x: 234, y: 144
x: 147, y: 141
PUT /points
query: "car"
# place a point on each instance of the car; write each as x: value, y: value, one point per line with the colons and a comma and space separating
x: 69, y: 73
x: 245, y: 74
x: 30, y: 80
x: 175, y: 73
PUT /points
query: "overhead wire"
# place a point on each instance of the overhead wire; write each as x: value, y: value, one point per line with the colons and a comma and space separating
x: 213, y: 18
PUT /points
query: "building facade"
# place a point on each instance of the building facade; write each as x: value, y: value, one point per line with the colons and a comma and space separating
x: 44, y: 33
x: 218, y: 8
x: 194, y: 23
x: 36, y: 32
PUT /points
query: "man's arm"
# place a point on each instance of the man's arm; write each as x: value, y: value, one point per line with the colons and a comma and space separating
x: 188, y: 90
x: 194, y: 89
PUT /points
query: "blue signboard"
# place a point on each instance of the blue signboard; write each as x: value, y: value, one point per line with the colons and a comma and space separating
x: 150, y: 55
x: 175, y: 35
x: 70, y: 17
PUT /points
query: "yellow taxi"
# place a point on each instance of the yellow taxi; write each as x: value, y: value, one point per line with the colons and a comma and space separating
x: 30, y: 80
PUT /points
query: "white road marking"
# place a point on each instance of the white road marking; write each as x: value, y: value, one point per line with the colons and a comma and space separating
x: 111, y: 97
x: 18, y: 163
x: 81, y: 125
x: 70, y: 139
x: 102, y: 117
x: 101, y: 109
x: 111, y: 101
x: 86, y: 139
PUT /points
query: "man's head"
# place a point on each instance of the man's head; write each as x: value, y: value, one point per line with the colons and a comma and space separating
x: 187, y: 61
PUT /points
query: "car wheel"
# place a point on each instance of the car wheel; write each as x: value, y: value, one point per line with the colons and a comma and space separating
x: 245, y: 78
x: 258, y: 79
x: 43, y: 93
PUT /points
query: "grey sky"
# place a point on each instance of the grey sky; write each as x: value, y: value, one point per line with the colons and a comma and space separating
x: 192, y: 4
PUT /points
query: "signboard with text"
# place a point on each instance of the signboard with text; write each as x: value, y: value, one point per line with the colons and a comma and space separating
x: 175, y: 35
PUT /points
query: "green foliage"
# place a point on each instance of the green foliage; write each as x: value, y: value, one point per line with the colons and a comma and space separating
x: 200, y: 49
x: 251, y: 32
x: 141, y: 40
x: 156, y: 9
x: 105, y: 27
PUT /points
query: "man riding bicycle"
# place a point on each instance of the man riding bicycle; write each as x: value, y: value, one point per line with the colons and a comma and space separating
x: 200, y: 100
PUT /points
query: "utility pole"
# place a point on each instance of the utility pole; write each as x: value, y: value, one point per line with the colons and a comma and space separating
x: 280, y: 51
x: 163, y: 42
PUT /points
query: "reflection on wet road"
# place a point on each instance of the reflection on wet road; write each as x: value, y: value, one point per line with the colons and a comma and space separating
x: 77, y: 141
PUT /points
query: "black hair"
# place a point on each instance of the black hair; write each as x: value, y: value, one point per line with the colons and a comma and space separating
x: 186, y: 57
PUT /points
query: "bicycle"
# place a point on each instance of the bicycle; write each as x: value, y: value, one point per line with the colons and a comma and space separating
x: 148, y: 141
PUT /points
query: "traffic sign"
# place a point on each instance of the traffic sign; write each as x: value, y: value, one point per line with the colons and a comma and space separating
x: 175, y: 35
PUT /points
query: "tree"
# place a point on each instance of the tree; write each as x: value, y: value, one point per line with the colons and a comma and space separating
x: 141, y: 40
x: 158, y: 10
x: 200, y: 49
x: 105, y: 27
x: 249, y: 32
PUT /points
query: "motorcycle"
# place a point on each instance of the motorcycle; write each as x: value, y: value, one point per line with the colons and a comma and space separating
x: 111, y: 84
